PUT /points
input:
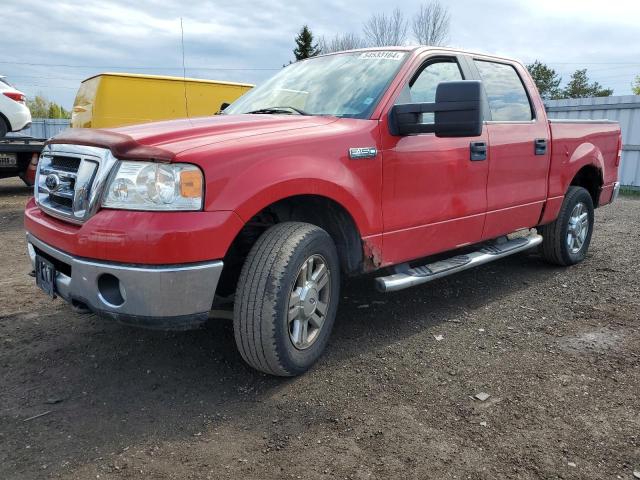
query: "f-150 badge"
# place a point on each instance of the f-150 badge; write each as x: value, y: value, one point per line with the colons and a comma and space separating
x: 362, y: 152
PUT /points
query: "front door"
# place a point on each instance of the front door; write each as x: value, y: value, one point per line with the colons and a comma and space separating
x: 433, y: 193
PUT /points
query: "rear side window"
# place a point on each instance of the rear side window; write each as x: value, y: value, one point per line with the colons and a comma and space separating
x: 508, y: 98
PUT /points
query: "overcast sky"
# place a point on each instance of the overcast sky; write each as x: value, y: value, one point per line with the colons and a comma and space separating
x: 249, y: 40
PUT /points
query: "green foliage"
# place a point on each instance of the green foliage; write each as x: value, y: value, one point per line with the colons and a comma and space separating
x: 41, y: 107
x: 54, y: 110
x: 635, y: 88
x: 305, y: 47
x: 579, y: 87
x: 546, y: 79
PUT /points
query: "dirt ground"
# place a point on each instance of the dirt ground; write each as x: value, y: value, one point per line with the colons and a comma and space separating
x: 557, y: 350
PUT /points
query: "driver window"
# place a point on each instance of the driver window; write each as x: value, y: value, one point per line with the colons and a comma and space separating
x: 422, y: 89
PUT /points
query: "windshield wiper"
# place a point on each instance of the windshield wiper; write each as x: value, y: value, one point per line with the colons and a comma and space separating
x: 283, y: 109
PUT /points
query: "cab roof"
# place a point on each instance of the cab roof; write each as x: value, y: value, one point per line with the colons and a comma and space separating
x: 417, y: 49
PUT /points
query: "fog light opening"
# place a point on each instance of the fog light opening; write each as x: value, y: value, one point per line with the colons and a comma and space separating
x: 109, y: 288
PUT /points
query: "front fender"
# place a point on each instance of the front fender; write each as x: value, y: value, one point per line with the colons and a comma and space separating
x: 248, y: 185
x: 363, y: 216
x: 249, y: 174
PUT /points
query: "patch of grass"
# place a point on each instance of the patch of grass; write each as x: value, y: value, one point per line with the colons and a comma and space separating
x: 630, y: 191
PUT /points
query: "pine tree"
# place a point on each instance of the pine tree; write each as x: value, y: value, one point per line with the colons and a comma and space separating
x: 579, y: 87
x: 305, y: 46
x: 546, y: 79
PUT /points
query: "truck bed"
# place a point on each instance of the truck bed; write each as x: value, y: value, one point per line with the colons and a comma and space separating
x: 572, y: 140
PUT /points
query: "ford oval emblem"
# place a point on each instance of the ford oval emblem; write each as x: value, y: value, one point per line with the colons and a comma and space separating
x: 52, y: 182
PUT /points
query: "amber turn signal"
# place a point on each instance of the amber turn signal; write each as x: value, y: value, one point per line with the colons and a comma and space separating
x: 190, y: 184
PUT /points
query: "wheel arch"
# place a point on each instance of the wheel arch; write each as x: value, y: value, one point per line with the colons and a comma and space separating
x: 589, y: 177
x: 587, y: 170
x: 316, y: 209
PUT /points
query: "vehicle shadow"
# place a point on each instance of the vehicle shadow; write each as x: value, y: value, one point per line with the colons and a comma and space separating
x: 13, y: 186
x: 108, y: 386
x: 370, y: 320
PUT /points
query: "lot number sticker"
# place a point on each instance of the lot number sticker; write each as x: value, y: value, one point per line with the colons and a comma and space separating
x: 381, y: 55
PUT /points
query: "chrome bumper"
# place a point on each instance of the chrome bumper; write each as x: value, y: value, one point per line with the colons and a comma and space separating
x: 168, y: 297
x: 616, y: 191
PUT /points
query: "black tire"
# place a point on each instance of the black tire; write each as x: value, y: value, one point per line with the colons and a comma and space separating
x: 4, y: 129
x: 555, y: 248
x: 261, y: 312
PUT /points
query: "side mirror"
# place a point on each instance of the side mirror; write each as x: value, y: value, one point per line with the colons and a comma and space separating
x: 458, y: 112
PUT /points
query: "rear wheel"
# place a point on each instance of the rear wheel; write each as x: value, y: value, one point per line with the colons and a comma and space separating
x: 566, y: 240
x: 3, y: 128
x: 287, y: 298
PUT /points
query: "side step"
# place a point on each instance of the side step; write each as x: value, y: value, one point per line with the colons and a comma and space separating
x: 408, y: 277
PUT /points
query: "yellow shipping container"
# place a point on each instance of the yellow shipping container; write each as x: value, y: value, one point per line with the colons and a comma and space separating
x: 118, y: 99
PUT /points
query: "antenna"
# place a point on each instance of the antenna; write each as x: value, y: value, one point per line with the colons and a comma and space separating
x: 184, y: 72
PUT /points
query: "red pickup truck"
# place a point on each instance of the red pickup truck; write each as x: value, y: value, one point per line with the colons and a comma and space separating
x: 413, y: 162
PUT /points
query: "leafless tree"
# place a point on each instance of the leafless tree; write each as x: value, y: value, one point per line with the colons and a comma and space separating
x: 385, y: 30
x: 431, y: 24
x: 341, y: 42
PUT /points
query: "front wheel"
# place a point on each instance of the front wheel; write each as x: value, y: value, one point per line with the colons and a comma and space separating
x: 566, y: 240
x: 287, y: 298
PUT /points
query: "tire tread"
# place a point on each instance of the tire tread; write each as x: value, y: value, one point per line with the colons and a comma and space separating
x: 552, y: 247
x: 264, y: 268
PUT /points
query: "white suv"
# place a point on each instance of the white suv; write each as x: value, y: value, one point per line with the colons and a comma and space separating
x: 14, y: 113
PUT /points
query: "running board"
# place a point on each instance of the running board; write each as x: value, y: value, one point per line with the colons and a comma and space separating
x: 408, y: 277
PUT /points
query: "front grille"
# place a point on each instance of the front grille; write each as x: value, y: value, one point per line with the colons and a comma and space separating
x: 69, y: 180
x: 57, y: 180
x: 65, y: 202
x: 67, y: 164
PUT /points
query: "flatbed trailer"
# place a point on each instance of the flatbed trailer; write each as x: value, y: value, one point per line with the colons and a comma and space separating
x: 19, y: 157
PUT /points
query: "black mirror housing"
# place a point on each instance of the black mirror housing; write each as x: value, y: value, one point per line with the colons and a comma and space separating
x: 458, y: 112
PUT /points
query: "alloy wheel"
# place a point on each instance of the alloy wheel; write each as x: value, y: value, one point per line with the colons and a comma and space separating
x: 309, y: 302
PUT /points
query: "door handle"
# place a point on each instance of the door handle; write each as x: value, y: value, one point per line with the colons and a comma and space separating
x: 540, y: 145
x: 478, y: 151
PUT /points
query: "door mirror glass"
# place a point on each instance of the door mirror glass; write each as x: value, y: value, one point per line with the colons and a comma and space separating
x: 457, y: 112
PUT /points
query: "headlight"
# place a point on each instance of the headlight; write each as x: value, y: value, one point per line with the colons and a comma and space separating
x: 155, y: 186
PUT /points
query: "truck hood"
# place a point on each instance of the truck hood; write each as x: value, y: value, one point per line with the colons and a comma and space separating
x: 162, y: 141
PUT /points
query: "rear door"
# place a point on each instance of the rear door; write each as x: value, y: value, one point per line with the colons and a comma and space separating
x: 519, y: 145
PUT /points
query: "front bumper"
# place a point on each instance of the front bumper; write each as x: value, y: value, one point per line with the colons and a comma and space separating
x: 124, y: 236
x: 173, y: 297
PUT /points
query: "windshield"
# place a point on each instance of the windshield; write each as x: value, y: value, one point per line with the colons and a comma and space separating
x: 343, y: 85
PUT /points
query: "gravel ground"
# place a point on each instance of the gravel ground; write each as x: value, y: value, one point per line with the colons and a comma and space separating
x: 557, y: 350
